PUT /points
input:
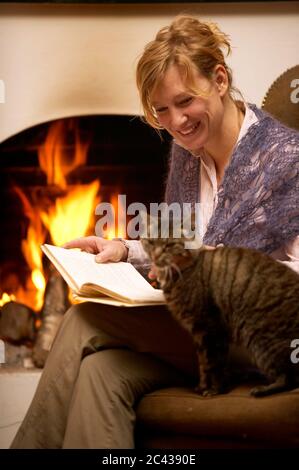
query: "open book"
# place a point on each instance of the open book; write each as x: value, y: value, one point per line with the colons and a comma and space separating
x: 117, y: 284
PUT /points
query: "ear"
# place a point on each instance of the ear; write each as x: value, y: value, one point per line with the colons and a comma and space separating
x: 221, y: 79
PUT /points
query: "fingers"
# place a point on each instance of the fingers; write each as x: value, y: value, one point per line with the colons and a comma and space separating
x: 107, y: 254
x: 76, y: 243
x: 211, y: 248
x: 105, y: 250
x: 89, y: 244
x: 113, y: 251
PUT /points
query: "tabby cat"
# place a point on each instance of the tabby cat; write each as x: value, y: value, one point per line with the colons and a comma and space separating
x: 236, y: 295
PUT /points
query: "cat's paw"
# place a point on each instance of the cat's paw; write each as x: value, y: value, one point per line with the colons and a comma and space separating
x: 207, y: 392
x: 259, y: 391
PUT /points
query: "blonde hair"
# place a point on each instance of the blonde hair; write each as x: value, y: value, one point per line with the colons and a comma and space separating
x: 188, y: 43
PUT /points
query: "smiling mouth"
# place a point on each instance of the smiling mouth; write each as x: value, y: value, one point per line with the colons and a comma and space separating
x: 190, y: 131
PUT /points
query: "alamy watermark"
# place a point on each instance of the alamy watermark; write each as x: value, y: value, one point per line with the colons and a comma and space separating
x: 162, y: 221
x: 2, y: 352
x: 2, y: 92
x: 294, y: 96
x: 295, y: 354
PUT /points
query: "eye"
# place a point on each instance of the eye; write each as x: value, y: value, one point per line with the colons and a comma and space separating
x: 161, y: 110
x: 186, y: 101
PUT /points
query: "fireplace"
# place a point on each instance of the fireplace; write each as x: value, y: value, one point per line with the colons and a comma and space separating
x: 58, y: 73
x: 52, y: 177
x: 61, y: 61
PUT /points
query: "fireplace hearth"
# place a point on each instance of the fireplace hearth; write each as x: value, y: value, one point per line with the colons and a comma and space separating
x: 55, y: 163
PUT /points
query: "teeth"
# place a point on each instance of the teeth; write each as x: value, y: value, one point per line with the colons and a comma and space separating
x: 189, y: 131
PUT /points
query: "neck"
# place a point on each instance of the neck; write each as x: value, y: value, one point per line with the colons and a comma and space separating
x: 221, y: 147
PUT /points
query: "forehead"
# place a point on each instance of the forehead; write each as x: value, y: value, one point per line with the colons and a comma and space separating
x: 172, y: 84
x: 176, y: 83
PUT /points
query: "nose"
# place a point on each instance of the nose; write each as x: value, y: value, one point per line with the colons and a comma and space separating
x: 177, y: 118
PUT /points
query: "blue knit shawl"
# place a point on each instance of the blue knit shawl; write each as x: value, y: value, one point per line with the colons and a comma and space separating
x: 258, y: 199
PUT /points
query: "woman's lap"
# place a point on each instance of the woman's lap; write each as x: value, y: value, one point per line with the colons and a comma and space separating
x: 121, y: 334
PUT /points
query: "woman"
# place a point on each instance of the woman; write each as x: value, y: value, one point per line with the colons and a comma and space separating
x: 243, y: 166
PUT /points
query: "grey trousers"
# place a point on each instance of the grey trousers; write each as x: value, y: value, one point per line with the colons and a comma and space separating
x: 103, y: 360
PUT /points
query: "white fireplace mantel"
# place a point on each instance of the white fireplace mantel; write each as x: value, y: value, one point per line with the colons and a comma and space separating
x: 66, y: 60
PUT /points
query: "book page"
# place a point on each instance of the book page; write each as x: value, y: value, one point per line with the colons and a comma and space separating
x: 111, y: 301
x: 120, y: 278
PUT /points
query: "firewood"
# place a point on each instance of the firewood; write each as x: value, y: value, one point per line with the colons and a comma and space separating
x: 17, y: 323
x: 55, y: 305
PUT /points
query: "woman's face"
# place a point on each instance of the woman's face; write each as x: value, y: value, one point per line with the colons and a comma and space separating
x: 192, y: 121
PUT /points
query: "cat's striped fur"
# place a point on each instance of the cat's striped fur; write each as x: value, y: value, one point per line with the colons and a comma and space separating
x: 235, y: 295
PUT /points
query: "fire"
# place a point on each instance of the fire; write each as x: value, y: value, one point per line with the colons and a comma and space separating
x: 68, y: 216
x: 54, y: 159
x: 36, y: 235
x: 6, y: 298
x: 71, y: 216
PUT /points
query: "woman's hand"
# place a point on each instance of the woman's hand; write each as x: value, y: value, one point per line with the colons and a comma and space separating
x: 105, y: 250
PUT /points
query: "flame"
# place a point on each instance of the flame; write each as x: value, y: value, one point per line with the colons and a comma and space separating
x: 53, y: 157
x: 5, y: 298
x: 36, y: 235
x: 69, y: 216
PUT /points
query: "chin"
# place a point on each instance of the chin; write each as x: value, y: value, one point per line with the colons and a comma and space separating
x: 185, y: 145
x: 193, y: 147
x: 195, y: 150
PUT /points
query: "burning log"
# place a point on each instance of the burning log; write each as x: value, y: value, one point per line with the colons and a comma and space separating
x: 17, y: 323
x: 55, y: 305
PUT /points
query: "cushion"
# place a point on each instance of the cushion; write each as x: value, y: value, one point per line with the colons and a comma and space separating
x: 232, y: 417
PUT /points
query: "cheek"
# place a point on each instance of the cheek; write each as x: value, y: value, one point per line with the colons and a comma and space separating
x: 164, y: 122
x: 199, y: 108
